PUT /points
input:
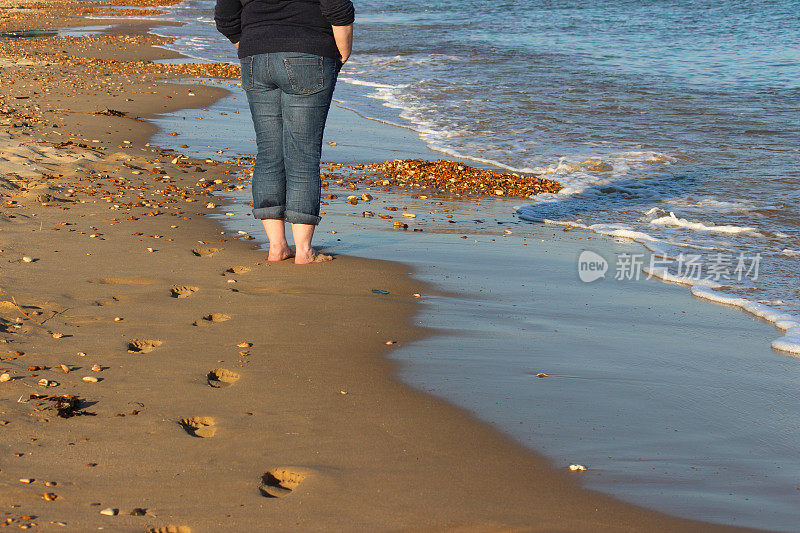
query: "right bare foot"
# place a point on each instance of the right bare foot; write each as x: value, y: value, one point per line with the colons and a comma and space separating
x: 280, y: 254
x: 311, y: 257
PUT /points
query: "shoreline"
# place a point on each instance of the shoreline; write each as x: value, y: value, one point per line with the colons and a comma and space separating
x: 424, y: 486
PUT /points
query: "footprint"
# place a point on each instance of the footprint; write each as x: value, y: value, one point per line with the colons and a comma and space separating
x: 199, y: 426
x: 213, y: 317
x: 280, y: 482
x: 169, y: 529
x: 238, y: 270
x: 205, y: 251
x: 102, y: 302
x: 222, y: 377
x: 182, y: 291
x: 143, y: 345
x: 122, y: 281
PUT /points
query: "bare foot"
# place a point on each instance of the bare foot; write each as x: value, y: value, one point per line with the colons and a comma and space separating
x: 311, y: 257
x: 280, y: 254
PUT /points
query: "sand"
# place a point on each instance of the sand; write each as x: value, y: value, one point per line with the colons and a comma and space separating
x: 108, y: 262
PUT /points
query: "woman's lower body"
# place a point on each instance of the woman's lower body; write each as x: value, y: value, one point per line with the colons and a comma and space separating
x: 289, y: 95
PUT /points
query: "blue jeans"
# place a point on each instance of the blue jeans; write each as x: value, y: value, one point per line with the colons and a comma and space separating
x: 289, y: 95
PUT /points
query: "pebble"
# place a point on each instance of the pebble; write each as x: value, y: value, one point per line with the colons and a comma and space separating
x: 410, y: 215
x: 27, y: 259
x: 577, y: 468
x: 542, y: 375
x: 49, y: 496
x: 366, y: 197
x: 108, y: 511
x: 26, y: 480
x: 210, y: 205
x: 57, y: 335
x: 89, y: 379
x: 5, y: 376
x: 97, y: 368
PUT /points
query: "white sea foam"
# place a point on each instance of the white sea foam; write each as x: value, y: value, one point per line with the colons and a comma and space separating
x: 701, y: 288
x: 705, y: 289
x: 790, y: 253
x: 790, y: 324
x: 674, y: 222
x: 706, y: 203
x: 353, y: 81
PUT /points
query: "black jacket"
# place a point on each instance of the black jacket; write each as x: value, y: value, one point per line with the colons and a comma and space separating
x: 264, y: 26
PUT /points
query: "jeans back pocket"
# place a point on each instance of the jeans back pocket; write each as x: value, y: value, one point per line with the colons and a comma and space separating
x: 247, y: 73
x: 306, y: 74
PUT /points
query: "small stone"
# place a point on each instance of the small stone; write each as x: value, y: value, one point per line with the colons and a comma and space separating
x: 410, y: 215
x: 352, y: 200
x: 97, y: 368
x: 245, y: 345
x: 5, y: 376
x: 366, y: 197
x: 117, y: 319
x: 27, y: 259
x: 542, y: 375
x: 577, y: 468
x: 343, y: 392
x: 367, y: 214
x: 90, y: 379
x: 49, y: 496
x: 26, y: 480
x: 58, y: 335
x: 210, y: 205
x: 108, y: 511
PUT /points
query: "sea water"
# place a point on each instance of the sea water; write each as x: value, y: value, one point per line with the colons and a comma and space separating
x: 676, y: 124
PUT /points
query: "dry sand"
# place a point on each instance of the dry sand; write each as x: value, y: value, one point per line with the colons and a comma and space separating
x: 104, y: 261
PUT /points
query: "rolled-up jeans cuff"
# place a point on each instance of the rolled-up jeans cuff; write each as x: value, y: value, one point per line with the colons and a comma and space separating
x: 294, y: 217
x: 275, y: 211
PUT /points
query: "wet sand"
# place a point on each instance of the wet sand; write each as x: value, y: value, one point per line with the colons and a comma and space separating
x: 100, y: 236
